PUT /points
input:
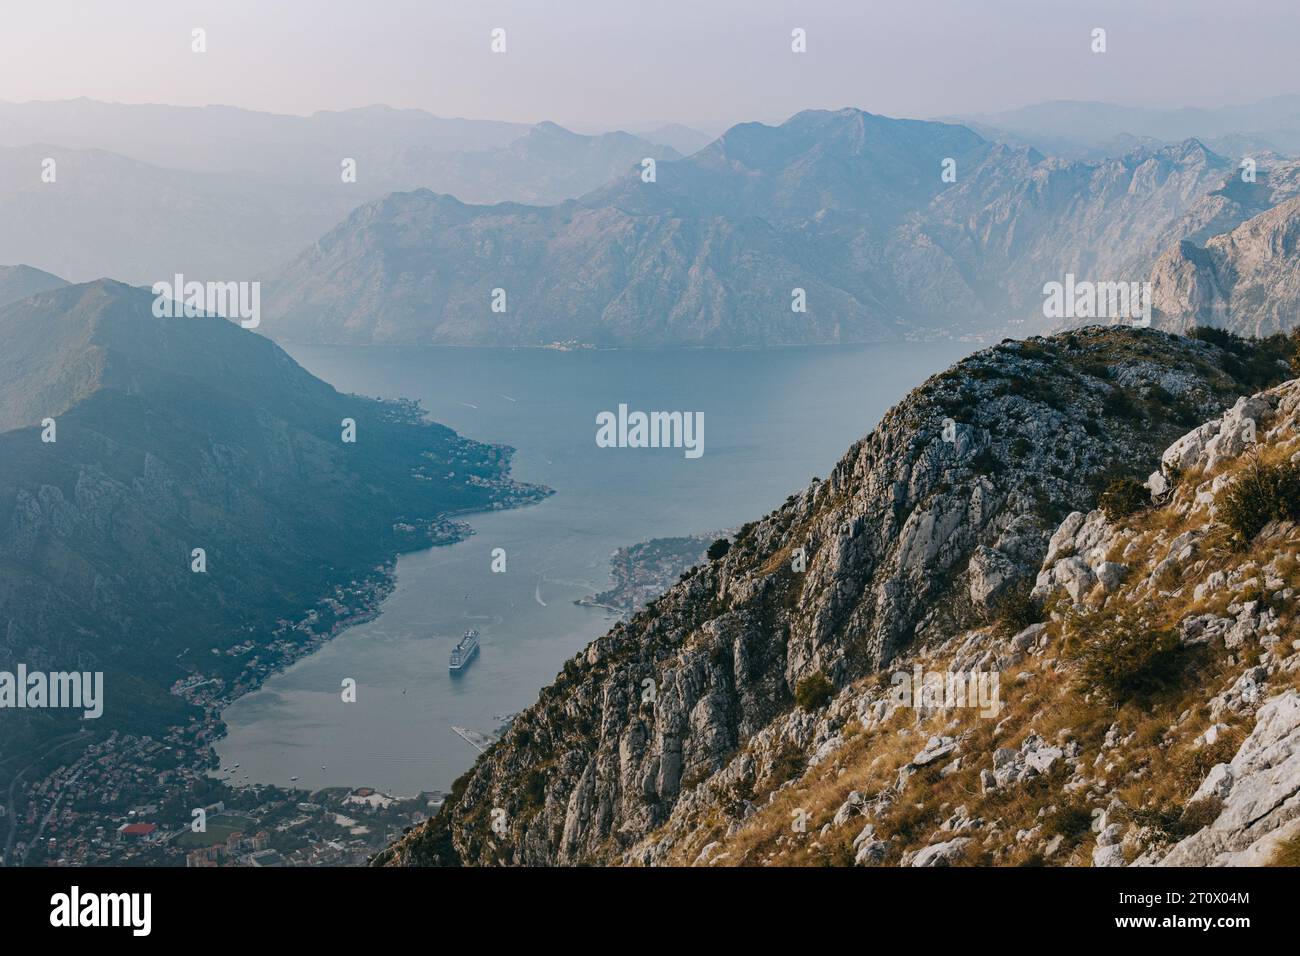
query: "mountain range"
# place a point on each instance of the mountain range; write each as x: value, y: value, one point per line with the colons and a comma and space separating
x: 106, y: 215
x: 1090, y: 130
x: 849, y: 207
x: 852, y: 209
x: 222, y: 194
x: 996, y: 519
x: 1242, y: 269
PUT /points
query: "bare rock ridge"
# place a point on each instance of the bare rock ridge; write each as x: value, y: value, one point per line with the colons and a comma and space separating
x: 735, y: 685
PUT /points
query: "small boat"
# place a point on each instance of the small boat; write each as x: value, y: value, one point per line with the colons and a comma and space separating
x: 464, y: 652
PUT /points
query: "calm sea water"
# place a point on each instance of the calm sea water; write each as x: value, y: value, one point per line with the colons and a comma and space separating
x: 773, y: 420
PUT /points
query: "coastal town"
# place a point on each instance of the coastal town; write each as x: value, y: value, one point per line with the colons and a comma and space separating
x: 162, y: 799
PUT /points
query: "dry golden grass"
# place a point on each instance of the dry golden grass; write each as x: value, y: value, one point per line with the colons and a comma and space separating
x: 1154, y: 774
x: 1288, y: 854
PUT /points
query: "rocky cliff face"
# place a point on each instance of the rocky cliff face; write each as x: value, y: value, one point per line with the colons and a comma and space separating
x: 852, y: 208
x: 1246, y: 280
x: 684, y: 726
x: 1231, y: 204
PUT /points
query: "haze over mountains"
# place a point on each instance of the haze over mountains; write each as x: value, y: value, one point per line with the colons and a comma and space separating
x: 107, y: 215
x: 220, y: 192
x: 1090, y: 130
x: 848, y: 206
x: 175, y: 434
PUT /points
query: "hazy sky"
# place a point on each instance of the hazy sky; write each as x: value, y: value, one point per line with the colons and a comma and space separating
x: 603, y: 63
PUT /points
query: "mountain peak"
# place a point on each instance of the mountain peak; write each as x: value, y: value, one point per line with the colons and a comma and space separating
x: 19, y: 281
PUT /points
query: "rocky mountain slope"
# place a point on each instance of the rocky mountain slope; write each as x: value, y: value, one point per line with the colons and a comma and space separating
x: 1233, y: 203
x: 1152, y: 717
x: 850, y: 207
x: 763, y: 672
x: 176, y: 434
x: 1246, y: 280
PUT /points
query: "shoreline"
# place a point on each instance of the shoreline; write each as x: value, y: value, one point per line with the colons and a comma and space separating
x: 192, y: 744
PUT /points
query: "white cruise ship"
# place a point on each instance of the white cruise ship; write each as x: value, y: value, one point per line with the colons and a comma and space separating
x: 464, y: 652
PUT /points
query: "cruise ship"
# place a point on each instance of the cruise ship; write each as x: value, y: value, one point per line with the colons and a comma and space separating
x: 464, y: 652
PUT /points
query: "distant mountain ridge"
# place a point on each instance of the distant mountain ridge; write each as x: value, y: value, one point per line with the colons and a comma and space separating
x: 19, y: 281
x: 547, y: 164
x: 1081, y: 129
x: 223, y: 193
x: 1237, y: 200
x: 228, y: 139
x: 847, y: 206
x: 208, y: 225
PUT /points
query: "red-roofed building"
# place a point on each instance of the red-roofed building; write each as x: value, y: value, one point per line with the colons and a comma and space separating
x: 140, y: 832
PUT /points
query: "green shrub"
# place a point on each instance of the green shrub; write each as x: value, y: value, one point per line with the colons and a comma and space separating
x: 1015, y: 610
x: 1123, y: 497
x: 718, y: 549
x: 534, y: 787
x: 986, y: 462
x: 1265, y: 493
x: 1175, y: 822
x: 1121, y: 658
x: 1071, y: 821
x: 1199, y: 814
x: 1119, y: 404
x: 1254, y: 363
x: 814, y: 691
x: 1228, y: 341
